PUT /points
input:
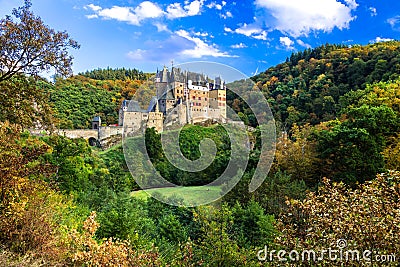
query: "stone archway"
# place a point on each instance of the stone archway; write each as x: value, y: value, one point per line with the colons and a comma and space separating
x: 93, y: 141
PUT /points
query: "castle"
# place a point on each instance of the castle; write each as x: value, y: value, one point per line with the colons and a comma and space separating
x: 182, y: 97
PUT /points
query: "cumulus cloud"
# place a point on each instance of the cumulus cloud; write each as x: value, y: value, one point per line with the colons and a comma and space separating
x: 380, y: 39
x: 216, y: 5
x: 351, y: 4
x: 148, y: 9
x: 300, y: 17
x: 131, y: 15
x: 181, y: 44
x: 287, y: 42
x: 250, y: 31
x: 93, y: 16
x: 145, y: 10
x: 202, y: 34
x: 93, y: 7
x: 200, y: 48
x: 175, y: 10
x: 240, y: 45
x: 227, y: 29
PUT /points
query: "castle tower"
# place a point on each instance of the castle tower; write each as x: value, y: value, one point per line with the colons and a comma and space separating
x: 96, y: 123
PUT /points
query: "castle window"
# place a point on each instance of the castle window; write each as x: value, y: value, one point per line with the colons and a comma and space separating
x: 205, y: 99
x: 199, y: 98
x: 194, y: 97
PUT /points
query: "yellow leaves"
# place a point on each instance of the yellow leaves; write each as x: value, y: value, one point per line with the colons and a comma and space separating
x: 391, y: 154
x: 368, y: 216
x: 297, y: 155
x: 90, y: 225
x: 107, y: 252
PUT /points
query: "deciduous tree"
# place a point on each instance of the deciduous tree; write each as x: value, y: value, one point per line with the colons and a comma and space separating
x: 28, y: 45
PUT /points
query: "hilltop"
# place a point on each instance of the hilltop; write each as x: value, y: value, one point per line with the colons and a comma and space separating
x: 309, y: 86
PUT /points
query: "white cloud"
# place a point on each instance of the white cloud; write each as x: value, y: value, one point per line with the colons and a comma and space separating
x: 138, y: 54
x: 148, y: 9
x: 251, y: 31
x: 180, y: 45
x: 216, y: 6
x: 287, y: 42
x: 227, y: 14
x: 303, y: 44
x: 193, y: 8
x: 131, y: 15
x: 202, y: 34
x: 394, y: 22
x: 94, y: 16
x: 261, y: 36
x: 351, y: 4
x: 93, y: 7
x: 200, y: 47
x: 227, y: 29
x: 119, y: 13
x: 161, y: 50
x: 373, y: 11
x: 380, y: 39
x: 175, y: 10
x: 300, y: 17
x: 240, y: 45
x: 161, y: 27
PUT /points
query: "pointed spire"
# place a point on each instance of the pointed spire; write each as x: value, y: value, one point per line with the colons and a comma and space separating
x: 157, y: 109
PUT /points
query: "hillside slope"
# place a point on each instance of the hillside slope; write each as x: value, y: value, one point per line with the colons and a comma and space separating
x: 308, y: 87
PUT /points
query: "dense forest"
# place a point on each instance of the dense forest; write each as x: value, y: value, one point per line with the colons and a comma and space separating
x: 335, y: 175
x: 115, y: 74
x: 309, y: 87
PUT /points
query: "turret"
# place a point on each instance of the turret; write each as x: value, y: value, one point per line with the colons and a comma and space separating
x: 96, y: 122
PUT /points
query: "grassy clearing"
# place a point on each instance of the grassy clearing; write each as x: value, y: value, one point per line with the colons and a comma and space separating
x: 190, y: 194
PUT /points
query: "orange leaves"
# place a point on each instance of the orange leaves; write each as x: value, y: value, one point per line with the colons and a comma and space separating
x: 107, y: 252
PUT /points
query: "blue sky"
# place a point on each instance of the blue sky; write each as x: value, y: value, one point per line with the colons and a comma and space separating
x: 249, y: 35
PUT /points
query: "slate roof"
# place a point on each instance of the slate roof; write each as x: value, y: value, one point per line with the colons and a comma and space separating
x: 152, y: 105
x: 132, y: 106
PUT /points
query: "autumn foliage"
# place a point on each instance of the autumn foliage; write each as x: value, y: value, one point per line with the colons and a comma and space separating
x: 107, y: 252
x: 368, y: 217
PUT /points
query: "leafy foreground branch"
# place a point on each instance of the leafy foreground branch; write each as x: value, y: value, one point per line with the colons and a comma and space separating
x: 29, y: 46
x: 368, y: 218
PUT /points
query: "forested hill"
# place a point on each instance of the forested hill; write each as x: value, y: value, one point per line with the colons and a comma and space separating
x: 99, y: 92
x: 308, y: 87
x: 115, y: 74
